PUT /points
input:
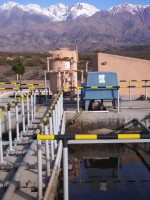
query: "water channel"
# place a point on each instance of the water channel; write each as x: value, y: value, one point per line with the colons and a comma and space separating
x: 109, y: 171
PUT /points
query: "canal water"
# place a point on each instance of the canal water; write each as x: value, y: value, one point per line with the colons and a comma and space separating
x: 119, y: 172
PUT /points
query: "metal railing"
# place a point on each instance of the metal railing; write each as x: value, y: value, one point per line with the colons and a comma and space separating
x: 51, y: 128
x: 28, y: 105
x: 20, y: 84
x: 109, y: 87
x: 130, y: 81
x: 49, y: 125
x: 93, y: 139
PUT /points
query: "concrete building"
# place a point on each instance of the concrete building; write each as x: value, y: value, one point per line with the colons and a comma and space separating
x: 127, y: 69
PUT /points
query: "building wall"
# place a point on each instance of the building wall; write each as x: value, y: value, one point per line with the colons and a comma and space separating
x: 126, y: 69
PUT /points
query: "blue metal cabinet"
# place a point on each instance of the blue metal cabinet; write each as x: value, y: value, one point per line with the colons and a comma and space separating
x: 101, y: 79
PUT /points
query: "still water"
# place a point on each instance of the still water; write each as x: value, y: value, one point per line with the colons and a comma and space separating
x: 113, y: 172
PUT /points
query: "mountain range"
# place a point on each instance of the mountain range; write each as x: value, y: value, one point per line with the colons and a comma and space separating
x: 33, y: 28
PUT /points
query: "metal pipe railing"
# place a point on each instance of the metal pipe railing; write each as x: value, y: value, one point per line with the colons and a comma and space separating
x: 130, y: 81
x: 31, y: 151
x: 51, y: 124
x: 66, y: 138
x: 109, y: 87
x: 94, y: 137
x: 7, y: 108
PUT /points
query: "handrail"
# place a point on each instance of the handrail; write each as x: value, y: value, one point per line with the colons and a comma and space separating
x: 21, y: 88
x: 2, y: 108
x: 20, y: 84
x: 7, y: 108
x: 54, y: 113
x: 94, y: 137
x: 47, y: 114
x: 107, y: 87
x: 133, y: 80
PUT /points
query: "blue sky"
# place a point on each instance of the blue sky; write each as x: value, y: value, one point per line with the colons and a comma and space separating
x: 101, y: 4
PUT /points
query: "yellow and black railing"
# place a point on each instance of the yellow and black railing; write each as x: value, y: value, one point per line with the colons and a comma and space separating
x: 94, y: 137
x: 21, y: 88
x: 48, y: 113
x: 107, y: 87
x: 20, y: 84
x: 21, y: 98
x: 133, y: 80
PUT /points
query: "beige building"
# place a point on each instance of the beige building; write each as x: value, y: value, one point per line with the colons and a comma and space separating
x: 127, y: 69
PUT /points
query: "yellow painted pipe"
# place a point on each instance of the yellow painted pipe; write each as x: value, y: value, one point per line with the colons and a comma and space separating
x: 109, y: 86
x: 128, y: 136
x: 45, y: 137
x: 138, y: 86
x: 93, y: 87
x: 85, y: 137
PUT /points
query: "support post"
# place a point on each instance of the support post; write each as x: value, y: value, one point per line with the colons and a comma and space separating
x: 129, y: 90
x: 34, y: 105
x: 86, y: 67
x: 39, y: 161
x: 118, y: 101
x: 65, y: 170
x: 146, y: 90
x: 28, y: 112
x: 1, y: 140
x: 45, y: 85
x: 61, y: 105
x: 23, y: 115
x: 51, y: 142
x: 47, y: 64
x: 47, y: 153
x: 15, y: 94
x: 39, y: 96
x: 58, y: 114
x: 78, y: 109
x: 54, y: 128
x: 32, y: 119
x: 9, y: 128
x: 56, y: 117
x: 17, y: 122
x: 64, y: 79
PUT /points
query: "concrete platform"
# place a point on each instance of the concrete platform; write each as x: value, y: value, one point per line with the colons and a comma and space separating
x: 94, y: 122
x: 28, y: 178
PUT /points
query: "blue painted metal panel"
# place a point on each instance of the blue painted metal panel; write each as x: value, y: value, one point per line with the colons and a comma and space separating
x: 101, y: 79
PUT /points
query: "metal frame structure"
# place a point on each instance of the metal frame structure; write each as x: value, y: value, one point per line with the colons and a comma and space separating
x: 144, y: 137
x: 52, y: 126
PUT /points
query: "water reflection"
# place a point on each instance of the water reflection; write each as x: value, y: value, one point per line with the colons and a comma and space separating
x: 117, y: 171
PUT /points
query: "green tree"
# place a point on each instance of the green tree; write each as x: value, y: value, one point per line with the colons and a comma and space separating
x: 18, y: 67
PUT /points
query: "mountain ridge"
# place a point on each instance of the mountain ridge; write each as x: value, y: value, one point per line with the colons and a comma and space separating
x: 57, y: 12
x: 125, y: 24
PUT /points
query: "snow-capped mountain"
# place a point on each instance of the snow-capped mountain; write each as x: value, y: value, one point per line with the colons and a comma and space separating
x: 125, y: 7
x: 57, y: 12
x: 64, y: 12
x: 33, y: 28
x: 61, y: 12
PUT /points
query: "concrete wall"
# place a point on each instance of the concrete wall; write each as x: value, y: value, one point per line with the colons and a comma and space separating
x: 127, y: 69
